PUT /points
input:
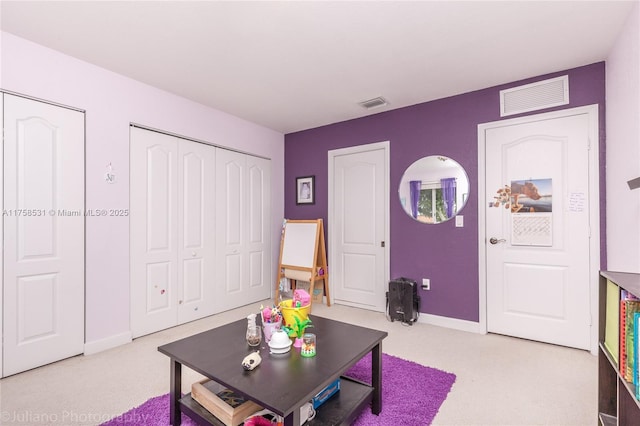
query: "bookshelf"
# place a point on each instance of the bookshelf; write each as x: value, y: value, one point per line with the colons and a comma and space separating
x: 617, y: 403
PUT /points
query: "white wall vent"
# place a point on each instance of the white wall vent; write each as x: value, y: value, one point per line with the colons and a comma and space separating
x: 373, y: 103
x: 535, y: 96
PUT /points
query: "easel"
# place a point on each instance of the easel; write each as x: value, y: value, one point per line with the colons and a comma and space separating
x: 303, y: 255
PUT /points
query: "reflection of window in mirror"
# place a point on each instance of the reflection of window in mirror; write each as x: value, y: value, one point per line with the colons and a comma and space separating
x: 431, y: 203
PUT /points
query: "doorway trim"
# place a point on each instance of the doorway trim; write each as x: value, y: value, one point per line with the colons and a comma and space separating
x: 331, y: 237
x: 594, y: 208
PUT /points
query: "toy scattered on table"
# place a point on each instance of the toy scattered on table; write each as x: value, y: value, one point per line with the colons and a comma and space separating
x: 301, y: 298
x: 270, y: 315
x: 251, y: 361
x: 280, y: 342
x: 308, y: 348
x: 271, y: 321
x: 297, y: 330
x: 290, y: 311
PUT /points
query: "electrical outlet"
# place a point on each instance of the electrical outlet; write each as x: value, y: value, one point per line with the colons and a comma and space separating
x: 426, y: 284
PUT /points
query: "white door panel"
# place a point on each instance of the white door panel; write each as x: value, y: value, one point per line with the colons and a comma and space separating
x: 258, y: 224
x: 160, y: 198
x: 230, y: 214
x: 43, y: 316
x: 196, y: 214
x: 359, y: 216
x: 243, y: 241
x: 154, y: 231
x: 538, y: 273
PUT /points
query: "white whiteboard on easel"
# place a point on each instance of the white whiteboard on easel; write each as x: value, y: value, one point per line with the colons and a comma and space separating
x: 299, y: 244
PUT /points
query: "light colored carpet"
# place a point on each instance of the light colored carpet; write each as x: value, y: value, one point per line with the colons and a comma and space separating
x: 500, y: 380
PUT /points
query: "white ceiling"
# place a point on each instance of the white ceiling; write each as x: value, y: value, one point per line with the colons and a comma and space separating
x: 292, y: 66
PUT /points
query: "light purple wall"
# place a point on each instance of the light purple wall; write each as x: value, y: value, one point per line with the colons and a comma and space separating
x: 445, y: 254
x: 112, y: 102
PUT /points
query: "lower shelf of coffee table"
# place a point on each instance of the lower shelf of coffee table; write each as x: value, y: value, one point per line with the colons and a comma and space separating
x: 341, y: 409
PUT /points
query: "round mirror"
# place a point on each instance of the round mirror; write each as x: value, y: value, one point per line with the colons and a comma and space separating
x: 433, y: 189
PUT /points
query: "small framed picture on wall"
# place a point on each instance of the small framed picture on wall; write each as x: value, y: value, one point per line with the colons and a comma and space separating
x: 305, y: 190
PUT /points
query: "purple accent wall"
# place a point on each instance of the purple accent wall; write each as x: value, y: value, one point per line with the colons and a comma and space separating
x: 445, y: 254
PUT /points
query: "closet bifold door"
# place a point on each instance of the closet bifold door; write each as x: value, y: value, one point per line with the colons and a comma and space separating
x: 196, y: 234
x: 153, y: 231
x: 43, y: 233
x: 171, y: 231
x: 243, y: 272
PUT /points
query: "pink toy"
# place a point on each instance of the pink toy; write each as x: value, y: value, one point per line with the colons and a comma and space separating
x: 266, y: 315
x: 301, y: 296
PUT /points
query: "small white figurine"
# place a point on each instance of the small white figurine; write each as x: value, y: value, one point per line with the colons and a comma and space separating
x: 251, y: 361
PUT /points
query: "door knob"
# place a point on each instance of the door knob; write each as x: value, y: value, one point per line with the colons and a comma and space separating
x: 494, y: 240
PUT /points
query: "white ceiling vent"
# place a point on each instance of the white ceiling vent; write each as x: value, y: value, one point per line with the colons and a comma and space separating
x: 373, y: 103
x: 535, y: 96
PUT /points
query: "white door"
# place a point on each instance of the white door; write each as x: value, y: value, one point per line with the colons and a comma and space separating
x: 258, y: 224
x: 153, y: 231
x: 43, y: 318
x: 172, y: 231
x: 359, y: 224
x: 242, y: 229
x: 196, y: 236
x: 539, y: 260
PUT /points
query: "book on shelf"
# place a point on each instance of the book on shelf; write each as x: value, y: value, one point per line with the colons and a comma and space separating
x: 636, y: 329
x: 612, y: 332
x: 622, y: 364
x: 631, y: 308
x: 230, y: 408
x: 626, y: 299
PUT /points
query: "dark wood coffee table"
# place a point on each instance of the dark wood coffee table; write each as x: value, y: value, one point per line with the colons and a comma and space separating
x: 281, y: 383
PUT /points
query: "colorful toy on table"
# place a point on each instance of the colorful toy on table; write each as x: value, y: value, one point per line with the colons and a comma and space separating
x: 308, y: 348
x: 251, y: 361
x: 271, y: 321
x: 276, y: 315
x: 270, y: 315
x: 301, y: 298
x: 266, y: 315
x: 297, y: 330
x: 280, y: 342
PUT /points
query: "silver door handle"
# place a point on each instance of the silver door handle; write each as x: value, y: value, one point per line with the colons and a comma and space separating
x: 494, y: 240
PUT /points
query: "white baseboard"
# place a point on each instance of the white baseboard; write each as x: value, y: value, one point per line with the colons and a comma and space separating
x: 108, y: 343
x: 456, y: 324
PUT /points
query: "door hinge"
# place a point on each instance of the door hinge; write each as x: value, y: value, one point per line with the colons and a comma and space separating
x: 381, y: 243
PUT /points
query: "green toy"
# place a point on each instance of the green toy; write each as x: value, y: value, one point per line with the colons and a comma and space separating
x: 297, y: 329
